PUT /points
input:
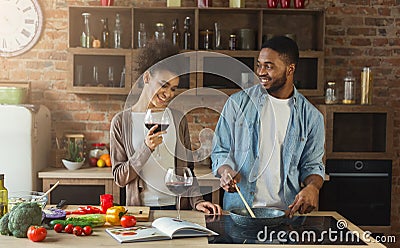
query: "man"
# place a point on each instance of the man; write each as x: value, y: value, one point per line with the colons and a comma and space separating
x: 270, y: 139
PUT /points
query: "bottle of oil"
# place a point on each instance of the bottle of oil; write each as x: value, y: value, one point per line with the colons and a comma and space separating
x: 3, y: 197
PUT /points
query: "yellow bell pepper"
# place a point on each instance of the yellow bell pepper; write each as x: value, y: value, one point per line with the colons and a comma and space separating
x: 114, y: 214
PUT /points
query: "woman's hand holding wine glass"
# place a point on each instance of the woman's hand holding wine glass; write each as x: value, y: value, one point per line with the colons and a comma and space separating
x: 178, y: 181
x: 153, y: 139
x: 157, y: 121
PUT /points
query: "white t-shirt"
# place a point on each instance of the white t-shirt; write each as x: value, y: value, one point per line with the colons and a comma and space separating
x: 274, y: 120
x: 153, y: 172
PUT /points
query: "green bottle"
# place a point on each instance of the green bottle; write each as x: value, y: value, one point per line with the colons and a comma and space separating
x: 3, y: 197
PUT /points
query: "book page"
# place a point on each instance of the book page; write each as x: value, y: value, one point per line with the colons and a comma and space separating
x: 136, y: 234
x: 181, y: 228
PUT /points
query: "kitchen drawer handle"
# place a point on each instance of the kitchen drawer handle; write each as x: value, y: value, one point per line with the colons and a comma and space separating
x: 338, y: 174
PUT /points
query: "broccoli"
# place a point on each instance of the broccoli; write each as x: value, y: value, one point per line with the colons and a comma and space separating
x: 4, y: 225
x: 22, y: 217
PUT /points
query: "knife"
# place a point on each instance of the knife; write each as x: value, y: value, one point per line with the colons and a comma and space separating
x: 61, y: 204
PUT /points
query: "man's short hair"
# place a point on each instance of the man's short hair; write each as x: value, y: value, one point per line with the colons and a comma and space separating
x: 286, y: 47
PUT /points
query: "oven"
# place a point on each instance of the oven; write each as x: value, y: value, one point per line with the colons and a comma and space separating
x: 360, y: 190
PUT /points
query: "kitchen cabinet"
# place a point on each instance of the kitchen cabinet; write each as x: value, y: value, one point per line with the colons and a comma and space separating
x: 83, y: 186
x: 358, y: 158
x: 306, y: 26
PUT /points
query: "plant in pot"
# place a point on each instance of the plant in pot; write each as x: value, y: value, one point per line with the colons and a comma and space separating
x: 75, y: 158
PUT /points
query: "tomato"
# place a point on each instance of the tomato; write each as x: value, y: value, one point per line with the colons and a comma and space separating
x: 87, y: 230
x: 78, y: 230
x: 69, y: 228
x: 36, y: 233
x: 58, y: 227
x: 128, y: 220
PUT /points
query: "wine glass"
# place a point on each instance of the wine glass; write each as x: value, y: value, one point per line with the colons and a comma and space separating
x: 178, y: 181
x: 157, y: 116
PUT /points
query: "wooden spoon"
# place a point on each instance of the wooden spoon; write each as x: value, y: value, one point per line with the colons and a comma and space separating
x: 48, y: 191
x: 244, y: 201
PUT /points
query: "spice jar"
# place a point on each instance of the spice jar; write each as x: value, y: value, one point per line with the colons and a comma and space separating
x: 97, y: 150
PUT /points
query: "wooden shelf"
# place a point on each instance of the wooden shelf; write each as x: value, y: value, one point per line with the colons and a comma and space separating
x: 307, y: 26
x: 358, y: 131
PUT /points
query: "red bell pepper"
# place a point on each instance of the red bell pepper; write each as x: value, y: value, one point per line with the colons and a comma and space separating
x: 86, y: 210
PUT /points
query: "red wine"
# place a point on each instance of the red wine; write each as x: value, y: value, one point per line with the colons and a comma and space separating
x: 177, y: 188
x: 161, y: 127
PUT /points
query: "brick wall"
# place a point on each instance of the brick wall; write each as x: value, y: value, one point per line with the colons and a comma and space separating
x: 358, y: 33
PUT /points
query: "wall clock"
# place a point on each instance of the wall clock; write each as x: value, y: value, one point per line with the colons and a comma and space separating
x: 21, y: 23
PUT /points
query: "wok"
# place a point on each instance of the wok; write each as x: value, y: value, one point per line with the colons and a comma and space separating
x: 264, y: 217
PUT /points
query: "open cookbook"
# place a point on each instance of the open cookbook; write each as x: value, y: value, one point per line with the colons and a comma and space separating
x: 161, y: 229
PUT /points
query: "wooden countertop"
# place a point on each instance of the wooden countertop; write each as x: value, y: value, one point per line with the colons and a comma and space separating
x: 101, y: 239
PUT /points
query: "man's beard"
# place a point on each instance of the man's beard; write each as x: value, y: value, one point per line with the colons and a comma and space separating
x: 278, y: 84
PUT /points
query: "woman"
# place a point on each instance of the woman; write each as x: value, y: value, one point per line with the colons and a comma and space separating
x: 135, y: 165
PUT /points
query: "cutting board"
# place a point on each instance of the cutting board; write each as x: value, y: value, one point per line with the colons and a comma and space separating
x: 141, y: 213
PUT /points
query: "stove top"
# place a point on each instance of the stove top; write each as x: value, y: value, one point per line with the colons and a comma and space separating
x: 324, y: 230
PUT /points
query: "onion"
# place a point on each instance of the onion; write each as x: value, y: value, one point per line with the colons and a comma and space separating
x: 53, y: 214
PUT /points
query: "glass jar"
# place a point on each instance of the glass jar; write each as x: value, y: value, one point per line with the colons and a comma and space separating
x: 159, y: 34
x: 349, y: 89
x: 97, y: 150
x: 206, y: 39
x: 331, y: 96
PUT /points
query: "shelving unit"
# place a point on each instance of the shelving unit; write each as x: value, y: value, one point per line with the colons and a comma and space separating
x: 358, y: 131
x: 306, y: 25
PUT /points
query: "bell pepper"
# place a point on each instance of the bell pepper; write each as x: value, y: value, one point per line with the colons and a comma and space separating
x: 114, y: 214
x: 85, y: 210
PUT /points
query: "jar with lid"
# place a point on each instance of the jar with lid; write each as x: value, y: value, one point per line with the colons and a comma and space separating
x: 331, y: 96
x: 349, y: 89
x: 159, y: 34
x: 3, y: 197
x: 96, y: 151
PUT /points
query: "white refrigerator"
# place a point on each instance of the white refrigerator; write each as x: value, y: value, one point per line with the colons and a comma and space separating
x: 24, y: 145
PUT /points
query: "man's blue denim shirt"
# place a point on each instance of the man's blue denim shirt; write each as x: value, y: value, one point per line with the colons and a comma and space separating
x: 236, y: 144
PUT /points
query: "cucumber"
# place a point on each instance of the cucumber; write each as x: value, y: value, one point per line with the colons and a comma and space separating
x: 73, y: 222
x: 93, y: 220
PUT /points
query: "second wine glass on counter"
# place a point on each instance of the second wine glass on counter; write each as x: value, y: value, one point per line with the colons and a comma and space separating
x: 178, y: 181
x: 157, y: 116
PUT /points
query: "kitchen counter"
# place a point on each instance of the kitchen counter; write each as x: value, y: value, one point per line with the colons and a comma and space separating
x: 101, y: 239
x: 103, y: 177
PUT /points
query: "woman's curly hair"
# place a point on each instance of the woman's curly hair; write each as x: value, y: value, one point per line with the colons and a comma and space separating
x: 154, y: 52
